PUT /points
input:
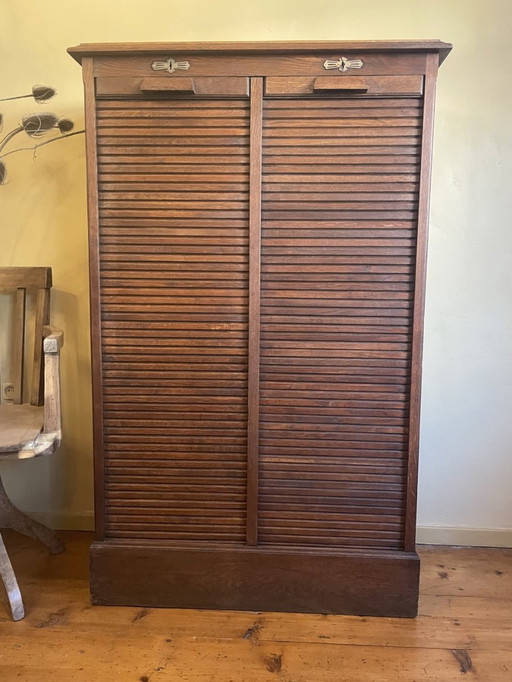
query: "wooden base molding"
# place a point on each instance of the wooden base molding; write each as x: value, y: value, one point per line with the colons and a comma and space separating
x: 369, y: 584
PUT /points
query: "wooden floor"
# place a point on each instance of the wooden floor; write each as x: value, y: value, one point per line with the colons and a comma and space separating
x: 463, y: 632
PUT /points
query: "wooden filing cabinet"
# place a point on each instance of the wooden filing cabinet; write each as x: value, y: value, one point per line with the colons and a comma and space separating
x: 258, y: 225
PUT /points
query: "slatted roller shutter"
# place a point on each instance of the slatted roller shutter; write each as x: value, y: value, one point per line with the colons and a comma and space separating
x: 340, y: 197
x: 173, y: 205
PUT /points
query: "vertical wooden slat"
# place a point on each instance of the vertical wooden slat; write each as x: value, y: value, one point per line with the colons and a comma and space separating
x: 254, y: 308
x: 94, y: 271
x: 19, y: 344
x: 419, y: 300
x: 42, y: 319
x: 52, y: 394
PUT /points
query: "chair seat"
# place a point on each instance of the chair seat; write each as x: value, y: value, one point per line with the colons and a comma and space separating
x: 19, y: 426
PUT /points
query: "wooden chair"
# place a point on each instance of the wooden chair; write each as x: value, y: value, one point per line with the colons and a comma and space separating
x: 29, y: 428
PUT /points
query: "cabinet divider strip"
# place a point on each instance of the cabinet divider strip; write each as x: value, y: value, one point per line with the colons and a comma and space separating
x: 256, y: 126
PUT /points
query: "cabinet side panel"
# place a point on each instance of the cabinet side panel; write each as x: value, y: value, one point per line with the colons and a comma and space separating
x: 173, y: 197
x: 340, y: 202
x: 94, y: 279
x: 419, y: 299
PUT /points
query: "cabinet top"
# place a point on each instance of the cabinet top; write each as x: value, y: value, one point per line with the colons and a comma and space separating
x: 261, y: 48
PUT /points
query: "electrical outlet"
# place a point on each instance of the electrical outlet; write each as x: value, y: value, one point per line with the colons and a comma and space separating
x: 7, y: 393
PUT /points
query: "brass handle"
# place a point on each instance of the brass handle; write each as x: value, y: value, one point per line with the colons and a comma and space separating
x: 171, y: 65
x: 342, y: 64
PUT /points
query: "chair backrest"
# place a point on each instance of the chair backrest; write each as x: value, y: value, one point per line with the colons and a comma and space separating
x: 38, y: 279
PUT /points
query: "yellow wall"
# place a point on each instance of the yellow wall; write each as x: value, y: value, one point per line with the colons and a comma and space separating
x: 466, y: 433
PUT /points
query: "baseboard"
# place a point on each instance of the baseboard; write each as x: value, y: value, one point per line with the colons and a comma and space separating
x: 465, y: 537
x: 63, y: 520
x: 425, y: 535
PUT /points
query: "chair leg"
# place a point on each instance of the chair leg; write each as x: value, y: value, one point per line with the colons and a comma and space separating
x: 12, y: 517
x: 11, y: 584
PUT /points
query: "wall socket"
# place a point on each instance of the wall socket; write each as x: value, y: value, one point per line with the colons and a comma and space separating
x: 7, y: 393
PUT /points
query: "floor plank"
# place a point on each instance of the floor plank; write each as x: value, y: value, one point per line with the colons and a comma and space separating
x: 463, y: 631
x: 476, y: 571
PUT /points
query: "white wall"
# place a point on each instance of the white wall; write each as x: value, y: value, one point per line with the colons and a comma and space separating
x: 466, y: 463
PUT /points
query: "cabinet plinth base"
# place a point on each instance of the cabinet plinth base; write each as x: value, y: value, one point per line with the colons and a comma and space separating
x: 255, y: 579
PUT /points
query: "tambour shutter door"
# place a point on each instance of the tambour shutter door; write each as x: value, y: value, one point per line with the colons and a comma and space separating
x: 340, y: 193
x: 173, y: 196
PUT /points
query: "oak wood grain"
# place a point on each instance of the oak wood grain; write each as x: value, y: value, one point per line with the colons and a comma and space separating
x: 198, y: 309
x: 374, y: 85
x: 254, y: 310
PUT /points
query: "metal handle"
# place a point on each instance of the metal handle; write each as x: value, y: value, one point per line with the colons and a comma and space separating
x: 171, y: 65
x: 342, y: 64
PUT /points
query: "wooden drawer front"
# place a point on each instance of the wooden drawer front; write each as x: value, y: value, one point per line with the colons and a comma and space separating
x: 340, y: 198
x: 173, y: 197
x: 172, y: 86
x: 258, y: 65
x: 345, y: 85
